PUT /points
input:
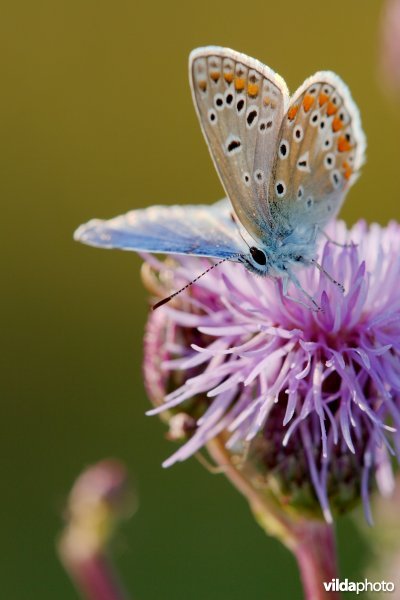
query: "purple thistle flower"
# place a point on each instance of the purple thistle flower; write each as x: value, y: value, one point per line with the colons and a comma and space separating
x: 311, y: 398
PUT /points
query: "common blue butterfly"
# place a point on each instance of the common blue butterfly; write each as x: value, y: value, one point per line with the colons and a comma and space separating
x: 286, y: 164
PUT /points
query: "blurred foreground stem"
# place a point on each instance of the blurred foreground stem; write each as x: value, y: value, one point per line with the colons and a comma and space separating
x: 99, y: 499
x: 311, y: 542
x: 94, y: 576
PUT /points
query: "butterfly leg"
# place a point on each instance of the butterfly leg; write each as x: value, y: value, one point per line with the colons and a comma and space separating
x: 328, y: 237
x: 213, y: 469
x: 291, y: 277
x: 322, y: 270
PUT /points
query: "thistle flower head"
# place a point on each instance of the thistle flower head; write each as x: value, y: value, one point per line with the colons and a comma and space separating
x: 310, y: 399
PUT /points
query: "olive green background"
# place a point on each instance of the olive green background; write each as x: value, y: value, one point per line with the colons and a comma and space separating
x: 96, y: 118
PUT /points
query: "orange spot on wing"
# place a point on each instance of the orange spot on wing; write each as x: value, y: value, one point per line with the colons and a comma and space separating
x: 347, y: 170
x: 343, y: 144
x: 267, y: 100
x: 331, y: 109
x: 239, y: 84
x: 308, y: 101
x: 203, y: 85
x: 323, y: 98
x: 228, y: 77
x: 336, y: 124
x: 252, y: 89
x: 292, y: 112
x: 215, y: 75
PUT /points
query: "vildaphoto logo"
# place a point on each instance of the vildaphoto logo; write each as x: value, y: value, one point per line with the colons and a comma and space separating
x: 344, y: 585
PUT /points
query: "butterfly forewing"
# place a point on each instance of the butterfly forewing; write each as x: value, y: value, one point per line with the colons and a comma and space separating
x: 197, y: 230
x: 240, y: 104
x: 319, y: 152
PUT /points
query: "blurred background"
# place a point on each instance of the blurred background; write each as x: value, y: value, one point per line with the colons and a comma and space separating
x: 96, y: 118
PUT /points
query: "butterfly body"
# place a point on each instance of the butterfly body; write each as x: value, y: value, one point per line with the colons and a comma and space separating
x: 286, y: 164
x: 274, y: 257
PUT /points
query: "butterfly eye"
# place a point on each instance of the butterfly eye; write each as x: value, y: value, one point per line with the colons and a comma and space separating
x: 258, y: 256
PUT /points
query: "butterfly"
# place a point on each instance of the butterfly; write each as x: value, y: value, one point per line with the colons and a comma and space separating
x: 286, y: 164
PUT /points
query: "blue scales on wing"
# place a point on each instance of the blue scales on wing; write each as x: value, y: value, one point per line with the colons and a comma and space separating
x: 199, y: 230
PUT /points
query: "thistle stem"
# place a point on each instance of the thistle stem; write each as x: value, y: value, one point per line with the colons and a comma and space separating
x: 311, y: 542
x: 315, y: 553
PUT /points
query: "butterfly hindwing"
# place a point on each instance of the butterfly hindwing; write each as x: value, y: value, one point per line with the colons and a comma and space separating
x: 320, y: 149
x: 197, y: 230
x: 240, y: 103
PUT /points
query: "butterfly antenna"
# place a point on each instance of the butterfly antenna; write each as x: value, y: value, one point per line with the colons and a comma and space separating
x: 165, y: 300
x: 234, y: 219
